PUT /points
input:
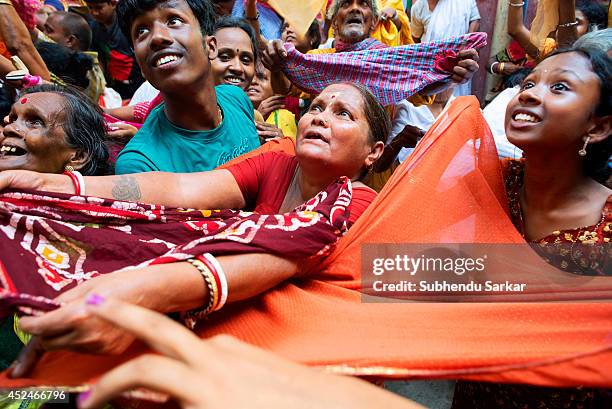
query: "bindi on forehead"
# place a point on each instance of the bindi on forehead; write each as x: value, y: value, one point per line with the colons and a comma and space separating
x: 23, y: 101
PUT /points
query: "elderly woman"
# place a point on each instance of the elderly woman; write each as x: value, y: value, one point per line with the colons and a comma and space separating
x: 50, y: 129
x: 342, y: 134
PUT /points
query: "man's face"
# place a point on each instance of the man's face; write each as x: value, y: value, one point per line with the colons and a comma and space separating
x: 102, y: 12
x: 54, y: 29
x: 170, y: 49
x: 354, y: 20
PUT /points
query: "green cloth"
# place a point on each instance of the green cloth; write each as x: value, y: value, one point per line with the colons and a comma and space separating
x: 10, y: 345
x: 162, y: 146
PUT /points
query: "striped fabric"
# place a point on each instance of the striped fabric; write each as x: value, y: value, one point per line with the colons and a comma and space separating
x: 391, y: 73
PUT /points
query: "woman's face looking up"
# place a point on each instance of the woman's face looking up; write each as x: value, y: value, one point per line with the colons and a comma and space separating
x: 33, y: 137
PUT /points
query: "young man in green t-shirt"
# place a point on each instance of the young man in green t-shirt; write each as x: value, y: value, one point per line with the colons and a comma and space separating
x: 198, y: 126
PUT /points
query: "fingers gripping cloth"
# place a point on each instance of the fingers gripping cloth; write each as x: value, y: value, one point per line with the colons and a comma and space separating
x: 391, y: 73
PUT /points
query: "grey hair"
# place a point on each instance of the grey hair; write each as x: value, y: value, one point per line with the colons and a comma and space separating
x: 333, y: 10
x: 598, y: 39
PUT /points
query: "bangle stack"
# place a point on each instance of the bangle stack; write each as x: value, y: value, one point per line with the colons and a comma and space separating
x: 216, y: 284
x: 77, y: 180
x: 498, y: 64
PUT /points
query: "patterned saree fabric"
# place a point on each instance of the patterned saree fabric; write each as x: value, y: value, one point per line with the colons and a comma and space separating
x: 450, y: 190
x: 63, y: 240
x: 391, y: 73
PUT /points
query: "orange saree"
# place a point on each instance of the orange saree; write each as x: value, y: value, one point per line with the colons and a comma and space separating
x: 449, y: 191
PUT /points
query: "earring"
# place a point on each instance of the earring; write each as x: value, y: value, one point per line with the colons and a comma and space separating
x: 583, y: 152
x: 69, y: 168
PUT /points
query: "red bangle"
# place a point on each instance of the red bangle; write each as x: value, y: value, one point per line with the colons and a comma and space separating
x: 75, y: 182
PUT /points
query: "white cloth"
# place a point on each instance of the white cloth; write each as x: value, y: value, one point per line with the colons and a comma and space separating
x: 112, y: 99
x: 408, y: 114
x: 145, y: 93
x: 495, y: 115
x: 449, y: 18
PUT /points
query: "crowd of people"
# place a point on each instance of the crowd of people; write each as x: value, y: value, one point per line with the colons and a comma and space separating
x: 227, y: 104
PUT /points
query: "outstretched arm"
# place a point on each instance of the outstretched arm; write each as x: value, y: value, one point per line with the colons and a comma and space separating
x: 164, y: 288
x: 216, y: 189
x: 239, y: 375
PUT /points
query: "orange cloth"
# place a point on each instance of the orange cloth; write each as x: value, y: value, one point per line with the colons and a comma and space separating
x: 447, y: 191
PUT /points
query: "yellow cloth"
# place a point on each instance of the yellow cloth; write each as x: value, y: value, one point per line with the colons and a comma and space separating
x: 299, y: 14
x: 386, y: 32
x: 285, y: 120
x: 545, y: 21
x: 21, y: 334
x: 258, y: 116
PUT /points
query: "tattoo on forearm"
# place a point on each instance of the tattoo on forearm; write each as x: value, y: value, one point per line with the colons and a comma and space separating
x: 126, y: 188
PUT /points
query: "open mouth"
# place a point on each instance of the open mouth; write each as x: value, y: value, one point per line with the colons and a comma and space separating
x: 525, y: 117
x: 233, y: 80
x: 252, y: 91
x: 166, y: 60
x: 11, y: 150
x: 354, y: 20
x: 314, y: 135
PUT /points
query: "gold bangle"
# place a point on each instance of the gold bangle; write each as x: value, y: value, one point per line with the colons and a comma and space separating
x: 7, y: 2
x: 213, y: 291
x: 501, y: 68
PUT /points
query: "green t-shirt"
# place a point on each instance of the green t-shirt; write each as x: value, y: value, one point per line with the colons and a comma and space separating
x: 161, y: 146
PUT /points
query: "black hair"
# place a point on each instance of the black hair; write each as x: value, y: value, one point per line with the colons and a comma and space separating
x: 594, y: 12
x: 236, y: 22
x: 379, y: 123
x: 76, y: 25
x: 598, y: 154
x: 516, y: 78
x: 83, y: 125
x: 128, y: 10
x: 69, y: 65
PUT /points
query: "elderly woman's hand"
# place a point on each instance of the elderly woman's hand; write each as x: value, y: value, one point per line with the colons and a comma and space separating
x: 466, y: 66
x: 221, y: 371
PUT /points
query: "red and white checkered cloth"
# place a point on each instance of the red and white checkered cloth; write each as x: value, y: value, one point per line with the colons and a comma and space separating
x: 391, y: 73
